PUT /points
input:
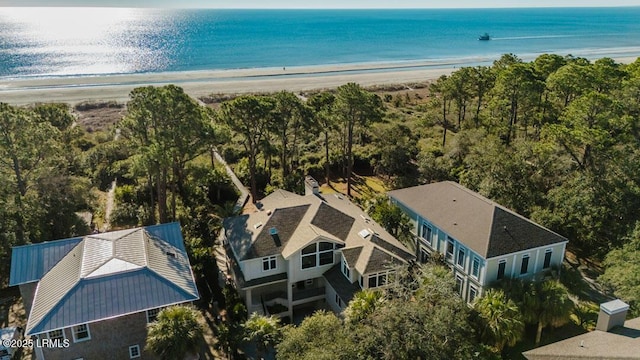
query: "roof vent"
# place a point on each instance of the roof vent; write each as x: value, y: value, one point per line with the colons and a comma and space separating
x: 338, y: 196
x: 269, y: 212
x: 364, y: 233
x: 258, y: 225
x: 273, y: 231
x: 171, y: 254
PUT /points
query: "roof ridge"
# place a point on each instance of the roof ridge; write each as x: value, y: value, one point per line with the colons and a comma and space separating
x: 473, y: 193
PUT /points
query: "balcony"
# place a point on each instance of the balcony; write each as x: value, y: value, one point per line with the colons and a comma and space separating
x: 305, y: 294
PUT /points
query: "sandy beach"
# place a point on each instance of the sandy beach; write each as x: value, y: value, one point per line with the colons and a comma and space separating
x: 73, y: 90
x: 200, y: 83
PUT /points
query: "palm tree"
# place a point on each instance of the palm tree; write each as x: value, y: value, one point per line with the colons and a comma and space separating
x: 546, y: 303
x: 264, y: 330
x: 175, y: 334
x: 362, y: 305
x: 501, y: 322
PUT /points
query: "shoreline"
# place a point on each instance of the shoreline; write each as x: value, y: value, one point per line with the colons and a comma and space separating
x: 116, y: 87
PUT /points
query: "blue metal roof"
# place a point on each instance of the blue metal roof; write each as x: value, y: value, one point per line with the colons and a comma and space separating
x: 30, y: 262
x: 111, y: 296
x: 169, y: 232
x: 99, y: 276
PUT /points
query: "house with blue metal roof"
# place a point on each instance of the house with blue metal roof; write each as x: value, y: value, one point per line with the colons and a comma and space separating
x: 91, y: 297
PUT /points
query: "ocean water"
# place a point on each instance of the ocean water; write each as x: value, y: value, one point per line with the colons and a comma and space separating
x: 37, y: 42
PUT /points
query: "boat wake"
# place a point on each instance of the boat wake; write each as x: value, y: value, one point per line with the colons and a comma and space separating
x: 533, y: 37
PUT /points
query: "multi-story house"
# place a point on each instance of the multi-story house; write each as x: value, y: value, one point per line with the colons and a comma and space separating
x: 313, y: 250
x: 481, y: 241
x: 92, y: 297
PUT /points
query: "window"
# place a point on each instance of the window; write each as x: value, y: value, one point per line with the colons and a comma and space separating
x: 461, y: 257
x: 459, y: 281
x: 134, y: 351
x: 547, y: 259
x: 269, y: 263
x: 81, y: 333
x: 501, y: 266
x: 56, y: 334
x: 361, y: 281
x: 317, y: 253
x: 345, y: 269
x: 424, y: 255
x: 426, y: 233
x: 475, y: 268
x: 473, y: 292
x: 338, y: 301
x: 379, y: 279
x: 152, y: 314
x: 326, y: 253
x: 524, y: 268
x: 449, y: 248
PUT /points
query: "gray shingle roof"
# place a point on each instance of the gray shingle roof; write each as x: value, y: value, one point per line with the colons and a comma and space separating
x: 395, y: 250
x: 333, y: 221
x: 351, y: 255
x: 474, y: 220
x: 380, y: 261
x: 113, y: 274
x: 340, y: 284
x: 617, y: 344
x: 285, y: 221
x: 316, y: 218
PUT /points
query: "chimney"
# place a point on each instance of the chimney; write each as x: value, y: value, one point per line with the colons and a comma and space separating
x: 612, y: 314
x: 311, y: 186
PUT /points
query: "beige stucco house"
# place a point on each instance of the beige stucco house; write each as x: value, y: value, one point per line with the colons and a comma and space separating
x: 482, y: 241
x: 297, y: 251
x: 92, y: 297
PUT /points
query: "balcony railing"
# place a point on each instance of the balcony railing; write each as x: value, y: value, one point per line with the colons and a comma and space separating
x: 308, y: 293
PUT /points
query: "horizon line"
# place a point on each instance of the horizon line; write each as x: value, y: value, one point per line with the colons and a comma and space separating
x: 322, y: 8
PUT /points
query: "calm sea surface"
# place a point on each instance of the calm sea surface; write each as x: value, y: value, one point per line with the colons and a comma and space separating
x: 91, y: 41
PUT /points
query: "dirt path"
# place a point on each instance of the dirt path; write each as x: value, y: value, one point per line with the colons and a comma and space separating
x: 108, y: 207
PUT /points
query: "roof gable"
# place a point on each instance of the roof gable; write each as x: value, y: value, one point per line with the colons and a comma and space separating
x: 284, y: 221
x: 333, y: 221
x: 351, y: 255
x: 380, y: 261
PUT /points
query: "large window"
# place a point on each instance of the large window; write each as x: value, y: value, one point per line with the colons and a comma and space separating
x: 501, y: 266
x: 269, y: 263
x: 449, y: 248
x: 524, y: 267
x: 475, y: 267
x: 460, y: 261
x: 380, y: 279
x: 81, y: 333
x: 547, y: 259
x: 317, y: 254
